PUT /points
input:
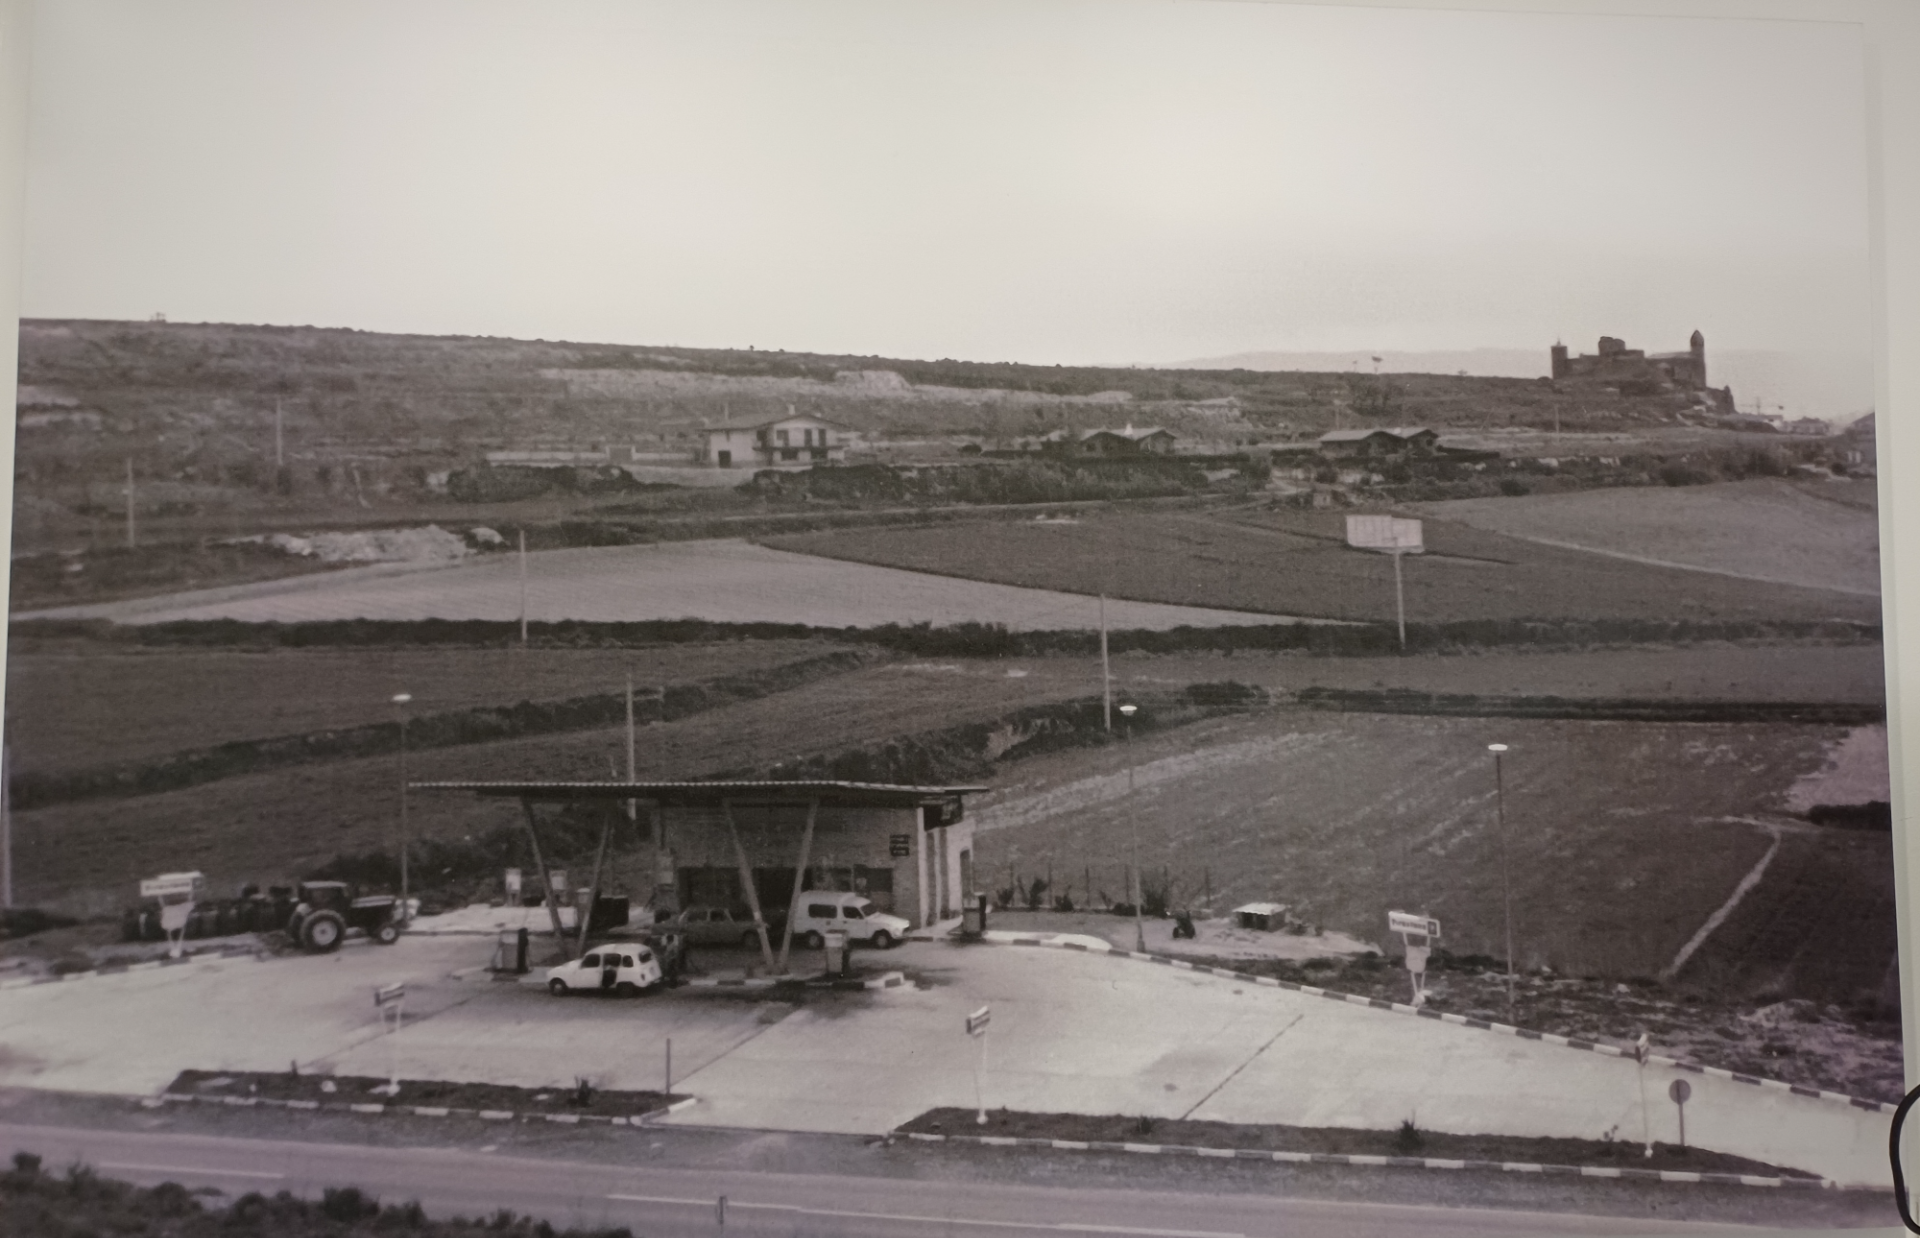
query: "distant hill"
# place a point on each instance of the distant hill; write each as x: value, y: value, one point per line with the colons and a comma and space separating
x: 1837, y: 386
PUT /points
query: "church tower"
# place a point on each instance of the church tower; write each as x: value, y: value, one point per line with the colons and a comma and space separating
x: 1697, y: 345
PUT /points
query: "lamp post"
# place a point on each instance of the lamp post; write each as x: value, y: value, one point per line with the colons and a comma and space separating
x: 401, y: 700
x: 1506, y: 880
x: 1133, y: 830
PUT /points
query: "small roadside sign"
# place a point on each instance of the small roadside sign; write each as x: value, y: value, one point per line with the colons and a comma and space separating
x: 1404, y: 922
x: 1680, y: 1091
x: 171, y: 885
x: 978, y: 1020
x: 387, y: 994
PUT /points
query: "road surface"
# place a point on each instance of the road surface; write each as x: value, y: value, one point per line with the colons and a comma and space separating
x: 661, y: 1203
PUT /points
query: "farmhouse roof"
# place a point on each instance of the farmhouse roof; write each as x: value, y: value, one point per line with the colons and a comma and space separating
x: 1144, y: 432
x: 1355, y: 436
x: 765, y: 423
x: 710, y: 794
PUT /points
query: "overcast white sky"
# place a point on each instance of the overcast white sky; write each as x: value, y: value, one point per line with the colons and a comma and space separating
x: 1039, y: 180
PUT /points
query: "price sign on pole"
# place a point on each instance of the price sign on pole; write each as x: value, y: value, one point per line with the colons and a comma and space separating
x: 977, y: 1028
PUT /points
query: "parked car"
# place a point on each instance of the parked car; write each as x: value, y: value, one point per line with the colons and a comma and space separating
x: 623, y: 970
x: 721, y: 926
x: 824, y: 911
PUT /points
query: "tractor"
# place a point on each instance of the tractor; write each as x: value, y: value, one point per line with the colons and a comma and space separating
x: 327, y: 910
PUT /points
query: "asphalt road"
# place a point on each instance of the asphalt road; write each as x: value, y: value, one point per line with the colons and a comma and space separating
x: 667, y: 1203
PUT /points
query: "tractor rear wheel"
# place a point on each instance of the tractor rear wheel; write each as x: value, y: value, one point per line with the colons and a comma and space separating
x: 322, y: 931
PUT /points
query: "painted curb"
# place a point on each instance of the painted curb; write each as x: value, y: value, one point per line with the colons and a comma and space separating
x: 1401, y: 1162
x: 122, y: 969
x: 415, y: 1111
x: 1421, y: 1012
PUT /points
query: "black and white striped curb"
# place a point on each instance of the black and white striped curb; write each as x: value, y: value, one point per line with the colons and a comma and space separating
x: 1335, y: 1158
x: 416, y: 1111
x: 886, y: 980
x: 1485, y: 1025
x: 121, y: 969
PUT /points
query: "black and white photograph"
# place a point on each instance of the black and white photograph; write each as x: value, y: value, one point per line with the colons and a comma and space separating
x: 1103, y: 617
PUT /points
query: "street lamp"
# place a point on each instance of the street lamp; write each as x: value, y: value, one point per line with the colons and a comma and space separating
x: 1133, y: 829
x: 1506, y: 881
x: 401, y: 699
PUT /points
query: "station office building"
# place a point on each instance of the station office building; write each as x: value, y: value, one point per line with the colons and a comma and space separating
x: 909, y: 849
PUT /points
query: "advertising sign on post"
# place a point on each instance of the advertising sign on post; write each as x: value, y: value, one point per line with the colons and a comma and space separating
x: 1417, y: 933
x: 1385, y: 533
x: 1393, y: 536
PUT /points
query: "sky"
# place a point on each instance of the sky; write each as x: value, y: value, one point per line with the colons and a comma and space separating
x: 1053, y: 181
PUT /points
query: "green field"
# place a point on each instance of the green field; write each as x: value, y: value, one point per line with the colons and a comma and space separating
x: 1289, y: 563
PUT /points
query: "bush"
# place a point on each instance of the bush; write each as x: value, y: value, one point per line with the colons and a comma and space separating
x: 1513, y: 487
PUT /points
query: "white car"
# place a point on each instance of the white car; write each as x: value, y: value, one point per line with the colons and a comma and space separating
x: 823, y: 911
x: 622, y: 970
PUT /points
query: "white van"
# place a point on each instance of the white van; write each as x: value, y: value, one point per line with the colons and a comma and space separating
x: 824, y: 911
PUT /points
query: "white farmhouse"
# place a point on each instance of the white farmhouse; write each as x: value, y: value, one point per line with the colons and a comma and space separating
x: 793, y: 441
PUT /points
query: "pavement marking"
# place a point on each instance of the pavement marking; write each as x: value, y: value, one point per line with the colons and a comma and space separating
x: 191, y: 1169
x: 1069, y: 1226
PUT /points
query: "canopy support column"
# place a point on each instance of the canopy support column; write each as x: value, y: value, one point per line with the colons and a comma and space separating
x: 799, y: 876
x: 593, y: 887
x: 546, y: 878
x: 746, y: 880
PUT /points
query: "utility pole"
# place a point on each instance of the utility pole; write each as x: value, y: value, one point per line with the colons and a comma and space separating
x: 1506, y: 882
x: 1106, y: 669
x: 523, y: 588
x: 1133, y: 830
x: 6, y: 825
x: 401, y: 700
x: 279, y: 440
x: 633, y: 806
x: 131, y: 542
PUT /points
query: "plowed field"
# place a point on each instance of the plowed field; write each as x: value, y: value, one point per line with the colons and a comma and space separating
x: 1622, y: 838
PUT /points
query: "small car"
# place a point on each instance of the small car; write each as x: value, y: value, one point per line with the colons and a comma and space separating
x: 622, y: 970
x: 824, y: 911
x: 703, y: 925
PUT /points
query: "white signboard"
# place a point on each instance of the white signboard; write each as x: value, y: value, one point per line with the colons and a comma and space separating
x: 1405, y: 922
x: 978, y: 1020
x: 172, y: 885
x: 1385, y: 533
x: 513, y: 883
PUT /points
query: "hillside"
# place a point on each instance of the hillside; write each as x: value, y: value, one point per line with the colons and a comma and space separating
x: 367, y: 420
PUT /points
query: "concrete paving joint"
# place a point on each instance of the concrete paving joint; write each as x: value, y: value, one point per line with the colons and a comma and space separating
x: 1422, y: 1012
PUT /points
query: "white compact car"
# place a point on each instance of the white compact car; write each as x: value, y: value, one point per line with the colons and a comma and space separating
x: 622, y: 970
x: 824, y: 911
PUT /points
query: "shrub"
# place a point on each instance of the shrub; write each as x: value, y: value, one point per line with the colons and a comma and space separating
x: 1407, y: 1140
x: 1513, y: 487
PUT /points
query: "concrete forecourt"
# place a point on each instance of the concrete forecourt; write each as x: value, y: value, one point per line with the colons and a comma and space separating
x: 1073, y: 1031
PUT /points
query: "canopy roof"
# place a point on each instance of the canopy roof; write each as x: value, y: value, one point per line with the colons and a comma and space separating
x: 711, y: 794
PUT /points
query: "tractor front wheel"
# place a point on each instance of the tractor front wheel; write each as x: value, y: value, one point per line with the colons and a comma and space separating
x: 323, y: 931
x: 387, y: 933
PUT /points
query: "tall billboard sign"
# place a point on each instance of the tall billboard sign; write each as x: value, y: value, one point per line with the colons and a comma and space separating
x: 1397, y: 537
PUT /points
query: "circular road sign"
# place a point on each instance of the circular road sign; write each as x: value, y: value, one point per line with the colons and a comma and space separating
x: 1679, y: 1090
